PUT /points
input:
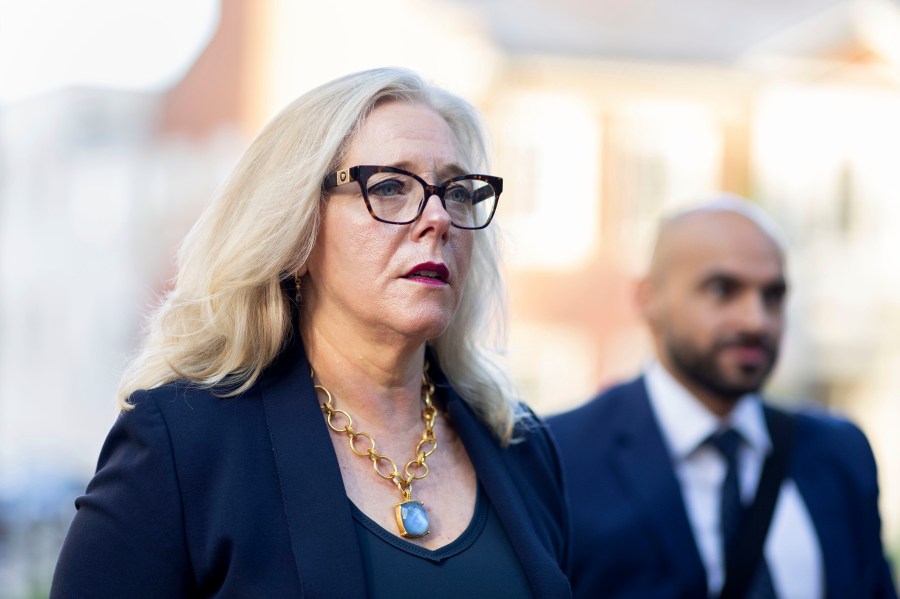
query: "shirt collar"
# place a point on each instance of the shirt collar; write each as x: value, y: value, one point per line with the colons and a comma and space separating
x: 686, y: 423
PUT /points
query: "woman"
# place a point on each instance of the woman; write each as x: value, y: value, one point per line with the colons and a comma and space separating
x: 312, y: 414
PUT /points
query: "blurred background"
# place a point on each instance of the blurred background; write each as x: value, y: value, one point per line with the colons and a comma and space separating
x: 119, y: 120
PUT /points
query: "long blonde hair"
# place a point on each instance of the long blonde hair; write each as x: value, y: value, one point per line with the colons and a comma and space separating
x: 227, y: 316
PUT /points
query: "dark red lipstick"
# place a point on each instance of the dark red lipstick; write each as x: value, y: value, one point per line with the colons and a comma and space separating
x: 430, y: 273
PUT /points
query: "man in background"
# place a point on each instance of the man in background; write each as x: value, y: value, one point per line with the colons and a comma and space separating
x: 684, y: 480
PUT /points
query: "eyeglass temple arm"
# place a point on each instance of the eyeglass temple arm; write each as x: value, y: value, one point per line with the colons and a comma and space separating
x: 346, y: 175
x: 483, y: 193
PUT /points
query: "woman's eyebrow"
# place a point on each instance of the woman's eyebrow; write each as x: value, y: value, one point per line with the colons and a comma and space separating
x: 447, y: 171
x: 453, y: 170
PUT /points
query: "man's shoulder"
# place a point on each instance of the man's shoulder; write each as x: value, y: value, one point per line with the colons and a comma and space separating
x: 828, y: 435
x: 602, y: 410
x: 814, y: 420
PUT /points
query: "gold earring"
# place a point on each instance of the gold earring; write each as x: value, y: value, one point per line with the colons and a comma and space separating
x: 298, y: 296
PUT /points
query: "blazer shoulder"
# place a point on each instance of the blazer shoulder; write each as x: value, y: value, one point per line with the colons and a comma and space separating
x: 827, y: 437
x: 535, y: 444
x: 602, y: 410
x: 535, y: 464
x: 531, y: 428
x: 182, y: 400
x: 130, y: 518
x: 818, y: 426
x: 183, y: 394
x: 200, y: 425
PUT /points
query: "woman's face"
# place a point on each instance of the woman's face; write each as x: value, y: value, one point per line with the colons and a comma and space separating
x: 377, y: 279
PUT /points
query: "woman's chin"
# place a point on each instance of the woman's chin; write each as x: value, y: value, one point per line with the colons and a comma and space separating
x: 427, y: 327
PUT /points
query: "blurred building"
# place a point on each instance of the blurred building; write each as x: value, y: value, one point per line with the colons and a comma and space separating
x: 602, y: 114
x: 805, y: 121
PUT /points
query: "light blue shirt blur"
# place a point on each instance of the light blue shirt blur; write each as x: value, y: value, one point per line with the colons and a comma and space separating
x: 792, y: 548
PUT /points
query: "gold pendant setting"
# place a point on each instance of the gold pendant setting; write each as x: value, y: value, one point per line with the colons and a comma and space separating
x: 412, y: 519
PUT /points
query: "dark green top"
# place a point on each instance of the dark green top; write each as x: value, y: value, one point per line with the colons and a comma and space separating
x: 481, y: 562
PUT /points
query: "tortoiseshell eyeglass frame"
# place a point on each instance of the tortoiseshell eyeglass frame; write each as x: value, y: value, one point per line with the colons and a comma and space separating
x: 361, y: 173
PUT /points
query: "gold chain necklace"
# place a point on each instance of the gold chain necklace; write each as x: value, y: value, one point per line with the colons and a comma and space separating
x: 412, y: 519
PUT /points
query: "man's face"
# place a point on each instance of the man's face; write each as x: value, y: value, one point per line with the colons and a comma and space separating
x: 716, y: 307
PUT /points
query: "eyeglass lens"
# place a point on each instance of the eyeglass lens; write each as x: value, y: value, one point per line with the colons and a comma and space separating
x: 395, y: 197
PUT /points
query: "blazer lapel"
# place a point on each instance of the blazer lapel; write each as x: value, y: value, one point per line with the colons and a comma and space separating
x: 319, y: 519
x: 644, y: 463
x: 822, y: 494
x: 490, y: 464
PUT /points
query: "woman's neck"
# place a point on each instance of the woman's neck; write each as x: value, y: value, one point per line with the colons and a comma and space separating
x: 376, y: 383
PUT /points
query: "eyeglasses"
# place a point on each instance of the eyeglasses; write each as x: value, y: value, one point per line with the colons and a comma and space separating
x: 396, y: 196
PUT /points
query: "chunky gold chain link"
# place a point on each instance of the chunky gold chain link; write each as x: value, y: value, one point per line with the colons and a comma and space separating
x: 340, y: 422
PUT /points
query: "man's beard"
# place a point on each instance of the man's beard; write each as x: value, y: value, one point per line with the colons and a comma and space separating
x: 702, y: 369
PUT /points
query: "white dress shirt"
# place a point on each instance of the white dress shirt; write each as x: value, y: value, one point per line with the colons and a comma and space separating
x: 792, y: 549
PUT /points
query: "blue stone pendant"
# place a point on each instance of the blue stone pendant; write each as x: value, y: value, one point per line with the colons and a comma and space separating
x: 412, y: 519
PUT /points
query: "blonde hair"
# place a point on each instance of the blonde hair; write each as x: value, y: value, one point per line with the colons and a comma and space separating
x: 228, y: 317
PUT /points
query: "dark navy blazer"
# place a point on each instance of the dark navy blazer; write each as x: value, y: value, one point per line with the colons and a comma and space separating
x: 631, y: 534
x: 200, y: 496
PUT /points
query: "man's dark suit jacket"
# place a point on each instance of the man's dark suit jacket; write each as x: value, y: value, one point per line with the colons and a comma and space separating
x: 200, y: 496
x: 631, y: 534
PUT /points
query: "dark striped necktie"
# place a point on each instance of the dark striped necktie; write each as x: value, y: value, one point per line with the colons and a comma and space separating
x: 731, y: 510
